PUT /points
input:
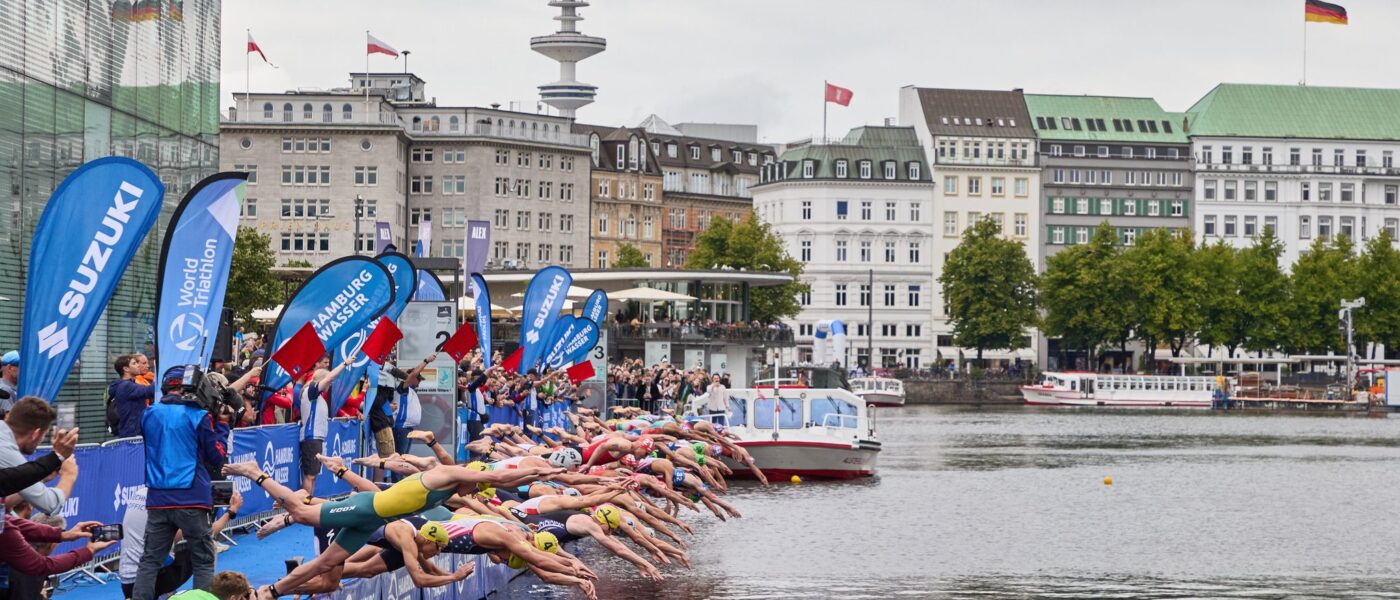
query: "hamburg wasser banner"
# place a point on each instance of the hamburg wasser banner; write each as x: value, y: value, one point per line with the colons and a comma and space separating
x: 596, y: 308
x: 405, y: 281
x: 91, y: 228
x: 543, y: 300
x: 194, y: 265
x: 482, y: 296
x: 574, y: 337
x: 339, y: 300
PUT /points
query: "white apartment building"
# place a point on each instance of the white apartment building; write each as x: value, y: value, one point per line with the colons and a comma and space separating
x: 859, y: 214
x: 1268, y: 158
x: 981, y: 146
x: 312, y: 155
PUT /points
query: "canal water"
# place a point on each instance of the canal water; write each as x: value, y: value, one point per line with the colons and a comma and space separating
x: 1012, y: 503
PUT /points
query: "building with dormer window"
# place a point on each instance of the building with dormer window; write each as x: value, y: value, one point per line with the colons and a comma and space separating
x: 625, y: 197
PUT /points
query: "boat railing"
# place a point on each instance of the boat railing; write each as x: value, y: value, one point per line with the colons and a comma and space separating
x: 835, y: 421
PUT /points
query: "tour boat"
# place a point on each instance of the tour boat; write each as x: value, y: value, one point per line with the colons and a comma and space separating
x: 823, y: 433
x: 879, y: 391
x: 1120, y: 391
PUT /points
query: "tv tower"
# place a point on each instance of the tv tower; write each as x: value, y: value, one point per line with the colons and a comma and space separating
x: 568, y: 46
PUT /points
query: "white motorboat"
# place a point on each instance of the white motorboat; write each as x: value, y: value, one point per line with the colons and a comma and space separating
x: 822, y: 433
x: 1121, y: 391
x: 879, y: 391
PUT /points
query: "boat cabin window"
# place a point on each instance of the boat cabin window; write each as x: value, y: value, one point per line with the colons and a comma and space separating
x: 789, y: 413
x: 738, y: 412
x: 821, y: 407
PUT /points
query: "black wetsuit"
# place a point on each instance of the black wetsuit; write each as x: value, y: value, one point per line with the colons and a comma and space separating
x: 555, y: 522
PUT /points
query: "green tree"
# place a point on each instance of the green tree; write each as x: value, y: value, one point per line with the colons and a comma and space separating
x: 629, y: 257
x: 1378, y: 280
x: 989, y: 285
x: 1077, y: 293
x: 1321, y: 279
x: 298, y: 263
x: 251, y: 285
x: 1219, y: 304
x: 1165, y: 289
x: 751, y: 245
x: 1263, y: 291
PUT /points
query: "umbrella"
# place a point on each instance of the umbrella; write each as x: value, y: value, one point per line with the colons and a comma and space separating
x: 469, y: 303
x: 649, y: 294
x: 574, y: 292
x: 267, y: 314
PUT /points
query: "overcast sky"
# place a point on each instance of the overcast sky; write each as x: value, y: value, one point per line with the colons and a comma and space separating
x: 763, y: 61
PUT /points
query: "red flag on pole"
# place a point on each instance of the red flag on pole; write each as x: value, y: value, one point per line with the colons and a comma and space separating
x: 512, y: 362
x: 254, y: 47
x: 375, y: 46
x: 381, y: 341
x: 300, y: 352
x: 580, y: 372
x: 461, y: 342
x: 838, y: 95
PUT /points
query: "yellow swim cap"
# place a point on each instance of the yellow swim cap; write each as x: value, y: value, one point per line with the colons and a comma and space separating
x: 477, y: 465
x: 608, y: 515
x: 434, y: 532
x: 486, y: 493
x: 546, y: 541
x: 515, y: 562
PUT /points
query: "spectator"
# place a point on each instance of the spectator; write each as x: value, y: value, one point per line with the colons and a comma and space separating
x: 718, y: 400
x: 180, y: 436
x: 23, y: 586
x: 129, y: 396
x: 181, y: 564
x: 315, y: 417
x: 9, y: 381
x: 408, y: 413
x: 228, y: 585
x: 25, y: 427
x: 24, y: 558
x: 385, y: 404
x: 16, y: 478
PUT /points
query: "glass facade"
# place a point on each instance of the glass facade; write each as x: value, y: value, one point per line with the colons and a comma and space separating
x: 84, y: 79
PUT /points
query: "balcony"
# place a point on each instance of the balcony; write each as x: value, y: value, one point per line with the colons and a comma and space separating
x: 681, y: 333
x: 983, y: 162
x: 1301, y: 169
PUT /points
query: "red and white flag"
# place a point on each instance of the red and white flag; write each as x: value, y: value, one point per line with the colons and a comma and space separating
x: 378, y: 47
x: 254, y: 47
x: 838, y: 95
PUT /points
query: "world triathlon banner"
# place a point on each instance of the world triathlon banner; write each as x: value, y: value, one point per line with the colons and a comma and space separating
x: 89, y: 231
x: 543, y: 300
x: 405, y: 280
x: 194, y: 265
x: 482, y: 296
x: 339, y: 300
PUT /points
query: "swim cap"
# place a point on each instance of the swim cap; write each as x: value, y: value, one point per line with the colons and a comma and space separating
x: 678, y: 477
x: 486, y: 493
x: 700, y: 459
x: 646, y: 444
x: 434, y: 532
x: 477, y: 465
x: 568, y: 491
x: 628, y: 461
x: 566, y: 458
x: 698, y: 448
x: 716, y: 450
x: 608, y: 515
x: 544, y: 541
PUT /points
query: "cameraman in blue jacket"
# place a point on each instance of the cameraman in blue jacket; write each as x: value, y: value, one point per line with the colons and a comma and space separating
x: 181, y: 439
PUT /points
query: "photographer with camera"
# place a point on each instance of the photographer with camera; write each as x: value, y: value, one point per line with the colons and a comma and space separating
x: 185, y: 432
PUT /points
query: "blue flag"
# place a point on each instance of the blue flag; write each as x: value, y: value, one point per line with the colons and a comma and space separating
x: 194, y: 266
x: 543, y: 299
x: 430, y: 288
x: 405, y: 280
x: 89, y: 231
x: 482, y: 296
x: 558, y: 336
x: 572, y: 344
x: 339, y: 300
x: 596, y: 308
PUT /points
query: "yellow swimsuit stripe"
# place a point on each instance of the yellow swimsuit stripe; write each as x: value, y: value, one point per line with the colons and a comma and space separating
x: 408, y: 496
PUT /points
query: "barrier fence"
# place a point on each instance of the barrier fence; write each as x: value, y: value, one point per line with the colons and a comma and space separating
x: 110, y: 473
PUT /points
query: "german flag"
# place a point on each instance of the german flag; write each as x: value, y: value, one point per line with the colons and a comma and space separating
x: 1317, y: 11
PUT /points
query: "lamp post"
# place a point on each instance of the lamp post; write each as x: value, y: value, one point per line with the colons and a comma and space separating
x: 1345, y: 316
x: 359, y: 212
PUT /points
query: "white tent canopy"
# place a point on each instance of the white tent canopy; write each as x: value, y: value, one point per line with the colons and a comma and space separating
x: 649, y: 294
x: 568, y: 305
x: 574, y: 292
x: 469, y: 303
x: 267, y: 314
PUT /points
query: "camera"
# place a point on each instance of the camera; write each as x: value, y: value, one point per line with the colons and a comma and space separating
x: 214, y: 398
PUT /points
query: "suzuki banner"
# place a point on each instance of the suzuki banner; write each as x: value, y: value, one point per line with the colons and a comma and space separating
x: 194, y: 265
x: 405, y: 279
x: 558, y: 337
x: 596, y: 308
x: 478, y: 245
x: 543, y: 299
x: 339, y: 300
x: 482, y: 297
x: 89, y: 231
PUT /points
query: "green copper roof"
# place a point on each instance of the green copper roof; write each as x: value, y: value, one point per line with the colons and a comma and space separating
x: 1123, y: 119
x: 894, y: 137
x: 1235, y: 109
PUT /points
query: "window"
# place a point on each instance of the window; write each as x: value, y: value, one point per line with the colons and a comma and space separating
x: 1127, y: 151
x: 1392, y: 228
x: 915, y: 292
x: 1074, y: 176
x: 865, y: 169
x: 1057, y: 176
x: 1103, y: 152
x: 998, y: 186
x: 421, y: 184
x: 1324, y: 228
x: 950, y: 185
x: 1324, y: 194
x: 604, y: 188
x: 840, y: 294
x: 915, y: 213
x: 950, y: 223
x: 840, y: 210
x: 1079, y: 150
x: 1390, y: 194
x: 805, y: 299
x: 889, y: 252
x: 865, y: 210
x: 418, y: 215
x: 1271, y: 224
x: 1205, y: 155
x: 1230, y: 222
x: 889, y: 170
x: 864, y: 296
x: 1317, y: 157
x: 1305, y: 191
x: 566, y: 225
x: 249, y: 209
x: 1173, y: 153
x: 1208, y: 226
x: 913, y: 171
x: 890, y: 211
x: 1247, y: 155
x: 1230, y: 190
x: 806, y: 250
x: 1056, y: 150
x: 546, y: 221
x: 806, y: 211
x: 1348, y: 191
x: 367, y: 176
x: 1057, y: 206
x: 1057, y: 234
x: 1105, y: 206
x: 602, y: 222
x: 1081, y: 235
x: 1339, y: 157
x: 502, y: 218
x: 1178, y: 208
x: 809, y: 167
x: 1081, y: 206
x: 1294, y: 155
x: 841, y: 168
x: 889, y: 294
x: 1304, y: 227
x: 914, y: 252
x: 865, y: 251
x: 1129, y: 236
x: 974, y: 186
x: 1022, y: 187
x: 1251, y: 226
x: 1020, y: 224
x: 840, y: 250
x: 1250, y: 190
x: 602, y: 259
x: 1347, y: 227
x: 1130, y: 207
x: 1387, y: 159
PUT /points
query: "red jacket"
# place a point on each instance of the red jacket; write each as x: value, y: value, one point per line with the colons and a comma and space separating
x: 16, y: 552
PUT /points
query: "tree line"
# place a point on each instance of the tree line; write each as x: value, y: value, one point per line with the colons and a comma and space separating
x: 1166, y: 290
